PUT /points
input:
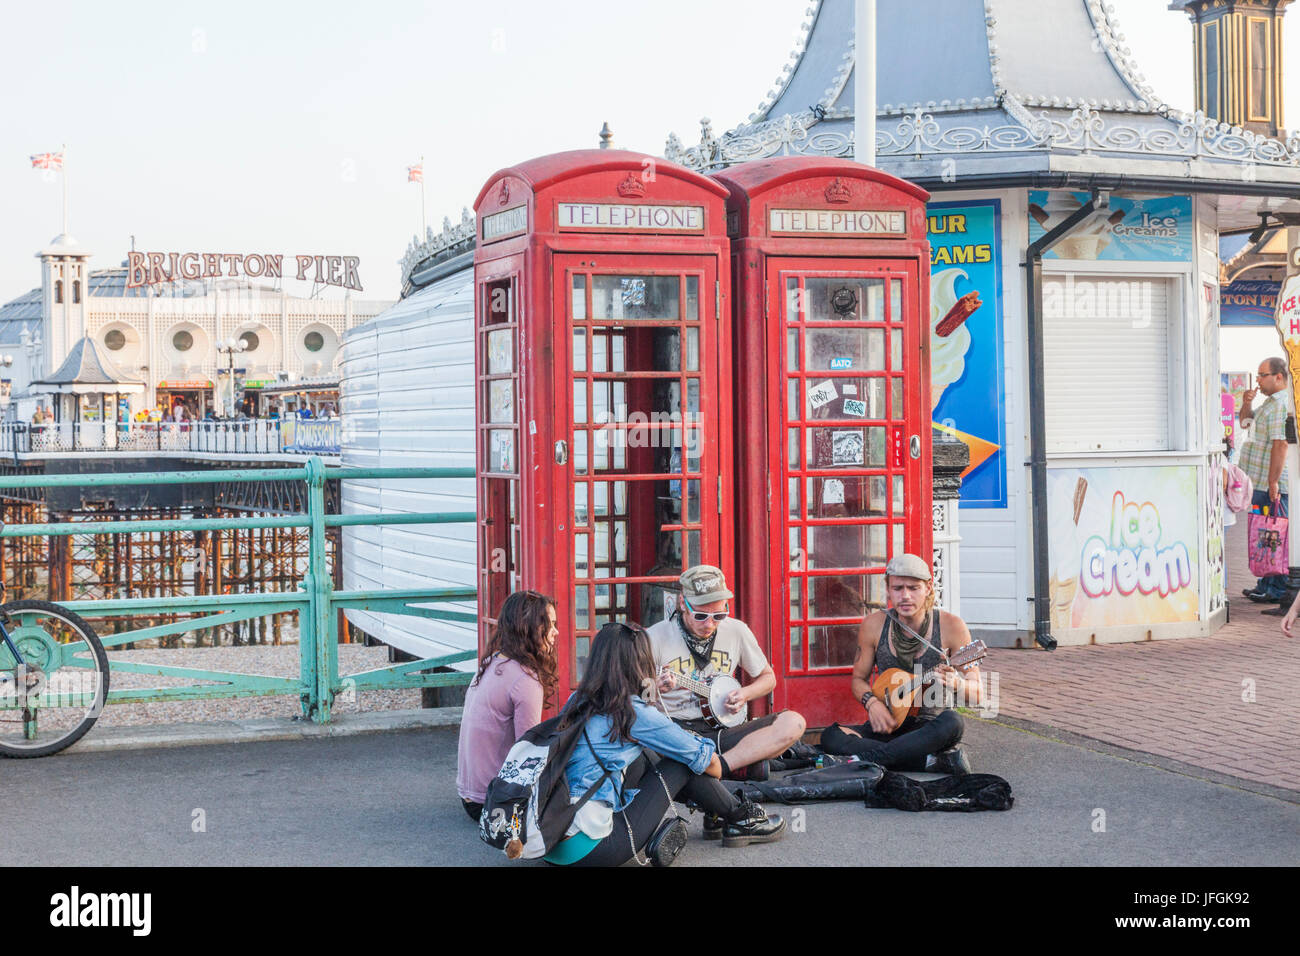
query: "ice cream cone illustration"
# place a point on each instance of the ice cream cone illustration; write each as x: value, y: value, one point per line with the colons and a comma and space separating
x: 1089, y: 239
x: 949, y: 337
x: 1064, y: 538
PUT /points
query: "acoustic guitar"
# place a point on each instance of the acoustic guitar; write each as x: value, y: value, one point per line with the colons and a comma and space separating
x: 898, y: 688
x: 713, y: 694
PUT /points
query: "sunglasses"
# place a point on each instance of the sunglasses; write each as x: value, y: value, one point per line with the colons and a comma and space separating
x: 702, y: 616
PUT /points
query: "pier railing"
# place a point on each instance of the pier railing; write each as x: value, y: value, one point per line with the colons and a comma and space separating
x: 316, y: 603
x: 254, y: 436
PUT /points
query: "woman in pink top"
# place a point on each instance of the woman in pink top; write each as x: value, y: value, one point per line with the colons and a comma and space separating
x: 516, y: 680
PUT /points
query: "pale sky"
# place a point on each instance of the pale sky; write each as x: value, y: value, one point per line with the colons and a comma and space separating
x: 286, y: 127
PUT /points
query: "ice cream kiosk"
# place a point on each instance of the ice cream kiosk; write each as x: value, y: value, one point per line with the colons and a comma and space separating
x: 603, y: 390
x: 831, y: 271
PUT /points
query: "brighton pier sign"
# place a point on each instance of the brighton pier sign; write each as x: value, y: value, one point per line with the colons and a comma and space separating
x: 151, y: 268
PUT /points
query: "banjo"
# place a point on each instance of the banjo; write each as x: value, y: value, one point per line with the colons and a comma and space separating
x: 713, y: 693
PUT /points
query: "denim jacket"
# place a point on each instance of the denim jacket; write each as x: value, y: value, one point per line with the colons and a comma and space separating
x: 650, y: 729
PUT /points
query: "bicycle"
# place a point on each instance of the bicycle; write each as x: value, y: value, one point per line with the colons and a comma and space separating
x: 53, y: 678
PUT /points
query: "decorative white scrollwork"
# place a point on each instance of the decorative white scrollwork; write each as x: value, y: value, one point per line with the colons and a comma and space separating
x: 938, y: 578
x: 1216, y: 564
x: 452, y: 235
x: 918, y: 134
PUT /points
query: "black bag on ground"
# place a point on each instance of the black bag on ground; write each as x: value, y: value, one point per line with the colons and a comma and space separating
x: 966, y: 794
x: 842, y: 781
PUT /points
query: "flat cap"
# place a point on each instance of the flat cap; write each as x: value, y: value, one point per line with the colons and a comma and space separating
x: 907, y: 566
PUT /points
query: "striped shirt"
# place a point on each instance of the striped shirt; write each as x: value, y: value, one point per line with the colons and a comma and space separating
x: 1270, y: 425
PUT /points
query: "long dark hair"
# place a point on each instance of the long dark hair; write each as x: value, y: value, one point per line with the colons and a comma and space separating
x: 620, y: 667
x: 520, y: 634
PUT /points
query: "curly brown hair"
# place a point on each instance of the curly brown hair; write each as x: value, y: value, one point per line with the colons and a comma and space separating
x: 520, y: 635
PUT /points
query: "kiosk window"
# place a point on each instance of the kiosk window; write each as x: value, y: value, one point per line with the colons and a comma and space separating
x: 1112, y: 349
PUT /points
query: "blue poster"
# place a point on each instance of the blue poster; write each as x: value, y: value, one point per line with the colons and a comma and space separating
x: 1248, y: 302
x: 1134, y: 228
x: 966, y: 385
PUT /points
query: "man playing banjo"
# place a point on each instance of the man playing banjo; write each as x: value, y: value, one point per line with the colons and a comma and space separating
x: 701, y: 641
x: 910, y: 635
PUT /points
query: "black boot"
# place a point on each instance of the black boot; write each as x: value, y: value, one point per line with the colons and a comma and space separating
x: 953, y: 761
x: 750, y: 824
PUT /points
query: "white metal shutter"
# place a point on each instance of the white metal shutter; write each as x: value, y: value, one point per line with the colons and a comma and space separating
x: 1107, y: 363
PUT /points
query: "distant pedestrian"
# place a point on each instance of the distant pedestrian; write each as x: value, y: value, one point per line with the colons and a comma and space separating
x: 1263, y: 459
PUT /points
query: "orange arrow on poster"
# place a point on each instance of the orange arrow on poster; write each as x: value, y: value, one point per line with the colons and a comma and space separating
x: 980, y: 450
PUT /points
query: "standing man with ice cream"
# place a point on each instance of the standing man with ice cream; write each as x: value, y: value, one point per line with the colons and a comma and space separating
x: 1263, y: 459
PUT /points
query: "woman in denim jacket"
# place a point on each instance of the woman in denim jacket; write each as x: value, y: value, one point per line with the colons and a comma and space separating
x: 626, y: 812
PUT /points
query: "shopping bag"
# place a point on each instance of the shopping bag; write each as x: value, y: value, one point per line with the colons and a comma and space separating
x: 1268, y: 545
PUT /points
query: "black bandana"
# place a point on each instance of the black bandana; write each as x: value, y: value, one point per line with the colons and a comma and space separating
x: 701, y: 651
x: 905, y: 645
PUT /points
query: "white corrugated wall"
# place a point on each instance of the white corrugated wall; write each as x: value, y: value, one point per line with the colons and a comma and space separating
x: 407, y: 400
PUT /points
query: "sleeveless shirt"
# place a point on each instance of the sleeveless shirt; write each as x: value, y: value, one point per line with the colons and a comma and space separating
x: 886, y: 658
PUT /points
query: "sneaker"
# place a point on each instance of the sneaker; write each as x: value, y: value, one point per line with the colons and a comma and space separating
x: 1254, y: 594
x: 752, y: 825
x: 713, y: 826
x: 953, y: 761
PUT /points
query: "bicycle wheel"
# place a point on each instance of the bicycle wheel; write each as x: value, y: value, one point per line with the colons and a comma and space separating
x: 54, y: 694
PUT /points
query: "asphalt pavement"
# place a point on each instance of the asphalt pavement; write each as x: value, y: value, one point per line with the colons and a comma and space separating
x: 390, y: 799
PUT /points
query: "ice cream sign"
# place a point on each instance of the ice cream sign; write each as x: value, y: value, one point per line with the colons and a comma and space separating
x: 1288, y: 325
x: 1135, y: 227
x: 1124, y: 546
x: 1133, y: 557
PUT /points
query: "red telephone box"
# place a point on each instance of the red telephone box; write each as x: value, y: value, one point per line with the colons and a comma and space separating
x: 603, y: 398
x: 831, y: 270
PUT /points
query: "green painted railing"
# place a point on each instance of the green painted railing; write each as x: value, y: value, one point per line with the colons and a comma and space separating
x: 316, y: 604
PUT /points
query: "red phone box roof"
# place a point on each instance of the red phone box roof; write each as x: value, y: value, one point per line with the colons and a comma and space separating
x: 599, y: 190
x: 820, y: 196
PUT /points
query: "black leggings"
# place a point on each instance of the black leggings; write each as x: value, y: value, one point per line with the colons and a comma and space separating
x: 651, y: 803
x: 904, y: 749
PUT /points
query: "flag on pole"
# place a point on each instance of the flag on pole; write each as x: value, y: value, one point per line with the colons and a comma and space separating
x: 414, y: 174
x: 48, y: 160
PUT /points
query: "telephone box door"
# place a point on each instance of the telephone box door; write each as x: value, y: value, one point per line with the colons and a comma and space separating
x: 852, y: 426
x: 641, y: 384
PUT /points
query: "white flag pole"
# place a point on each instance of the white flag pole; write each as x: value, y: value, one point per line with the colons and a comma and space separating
x: 424, y: 223
x: 864, y: 82
x: 63, y: 152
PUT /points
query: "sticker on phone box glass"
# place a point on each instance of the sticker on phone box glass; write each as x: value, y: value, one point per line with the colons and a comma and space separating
x: 822, y: 393
x: 841, y: 363
x: 854, y: 408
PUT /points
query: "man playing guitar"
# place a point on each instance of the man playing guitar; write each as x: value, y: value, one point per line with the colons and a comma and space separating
x: 910, y: 635
x: 701, y: 640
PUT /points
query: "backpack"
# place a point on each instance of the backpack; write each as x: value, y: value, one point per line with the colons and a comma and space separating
x: 527, y: 809
x: 1238, y: 489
